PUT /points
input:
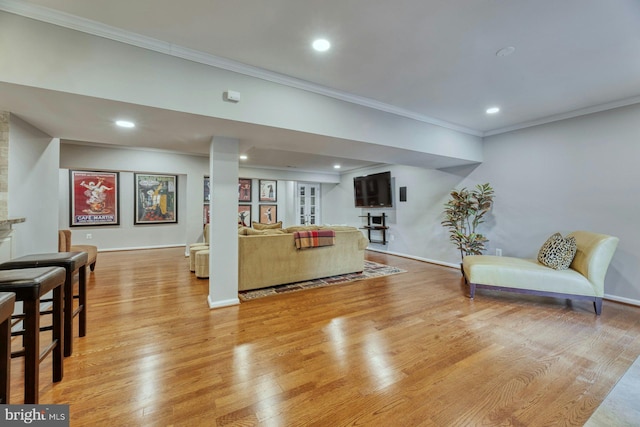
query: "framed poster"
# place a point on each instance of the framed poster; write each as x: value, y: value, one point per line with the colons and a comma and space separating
x: 268, y: 214
x: 207, y: 190
x: 244, y: 190
x: 206, y: 214
x: 156, y: 198
x: 94, y: 198
x: 268, y: 191
x: 244, y: 215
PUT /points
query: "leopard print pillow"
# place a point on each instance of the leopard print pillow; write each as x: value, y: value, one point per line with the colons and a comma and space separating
x: 558, y: 252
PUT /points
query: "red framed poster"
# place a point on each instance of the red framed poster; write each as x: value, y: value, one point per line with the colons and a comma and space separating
x: 94, y: 198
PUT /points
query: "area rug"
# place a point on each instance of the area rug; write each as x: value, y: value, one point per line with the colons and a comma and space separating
x: 371, y: 270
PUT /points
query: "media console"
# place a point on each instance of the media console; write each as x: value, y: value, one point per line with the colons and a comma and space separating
x: 376, y: 223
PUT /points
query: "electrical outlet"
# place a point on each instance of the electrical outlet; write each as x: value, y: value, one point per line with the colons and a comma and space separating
x: 392, y: 237
x: 89, y: 236
x: 498, y: 252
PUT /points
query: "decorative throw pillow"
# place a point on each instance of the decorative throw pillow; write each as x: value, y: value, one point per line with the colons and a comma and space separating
x: 558, y: 252
x: 259, y: 226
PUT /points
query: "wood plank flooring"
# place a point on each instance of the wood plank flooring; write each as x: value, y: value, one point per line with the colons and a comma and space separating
x: 404, y: 350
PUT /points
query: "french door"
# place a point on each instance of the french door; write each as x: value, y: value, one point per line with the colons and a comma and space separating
x: 308, y: 203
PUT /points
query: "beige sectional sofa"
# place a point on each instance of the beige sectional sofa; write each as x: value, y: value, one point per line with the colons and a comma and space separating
x: 269, y: 257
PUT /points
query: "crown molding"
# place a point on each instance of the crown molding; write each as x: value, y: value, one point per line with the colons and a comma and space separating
x: 567, y: 115
x: 95, y: 28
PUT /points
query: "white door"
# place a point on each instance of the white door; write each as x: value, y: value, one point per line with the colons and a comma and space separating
x: 308, y: 203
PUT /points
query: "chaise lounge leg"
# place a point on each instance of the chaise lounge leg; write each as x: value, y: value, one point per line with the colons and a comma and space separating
x: 472, y: 290
x: 597, y: 305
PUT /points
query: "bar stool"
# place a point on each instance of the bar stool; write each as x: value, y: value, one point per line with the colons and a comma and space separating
x: 71, y: 262
x: 7, y: 302
x: 29, y: 285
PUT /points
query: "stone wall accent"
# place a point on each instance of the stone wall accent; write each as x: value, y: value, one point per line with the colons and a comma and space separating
x: 4, y: 165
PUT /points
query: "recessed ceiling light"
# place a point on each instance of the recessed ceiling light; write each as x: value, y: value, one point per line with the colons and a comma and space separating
x: 506, y: 51
x: 125, y: 124
x: 493, y: 110
x: 243, y: 157
x: 321, y: 45
x: 336, y: 166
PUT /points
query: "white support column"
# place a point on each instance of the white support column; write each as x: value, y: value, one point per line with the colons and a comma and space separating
x: 223, y: 228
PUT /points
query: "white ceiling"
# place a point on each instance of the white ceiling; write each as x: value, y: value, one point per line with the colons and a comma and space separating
x: 434, y: 59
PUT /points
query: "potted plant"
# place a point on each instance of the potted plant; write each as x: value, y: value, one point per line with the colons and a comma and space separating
x: 464, y: 212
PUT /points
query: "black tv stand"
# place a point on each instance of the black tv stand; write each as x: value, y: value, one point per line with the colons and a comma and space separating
x: 376, y: 223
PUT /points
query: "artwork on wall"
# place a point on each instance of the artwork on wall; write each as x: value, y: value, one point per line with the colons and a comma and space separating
x: 94, y: 198
x: 268, y: 191
x: 207, y: 190
x: 206, y: 214
x: 156, y: 198
x: 244, y: 215
x: 244, y: 190
x: 268, y: 214
x: 206, y: 201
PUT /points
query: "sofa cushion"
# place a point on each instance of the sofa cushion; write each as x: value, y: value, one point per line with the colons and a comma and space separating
x: 260, y: 226
x: 295, y: 228
x: 557, y: 252
x: 337, y: 227
x: 246, y: 231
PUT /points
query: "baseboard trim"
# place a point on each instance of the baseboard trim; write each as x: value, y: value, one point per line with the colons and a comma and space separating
x: 623, y: 300
x: 224, y: 303
x: 135, y: 248
x: 430, y: 261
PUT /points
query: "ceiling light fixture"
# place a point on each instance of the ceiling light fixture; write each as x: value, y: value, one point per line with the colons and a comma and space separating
x: 336, y: 166
x: 125, y: 124
x: 243, y: 157
x: 493, y: 110
x: 321, y: 45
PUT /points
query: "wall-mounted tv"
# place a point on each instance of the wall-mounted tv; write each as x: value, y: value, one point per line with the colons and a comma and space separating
x: 373, y: 191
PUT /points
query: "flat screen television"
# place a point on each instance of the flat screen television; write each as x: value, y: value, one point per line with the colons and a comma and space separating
x: 373, y: 191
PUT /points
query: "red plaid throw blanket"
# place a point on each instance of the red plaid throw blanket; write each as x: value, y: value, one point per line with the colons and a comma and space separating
x: 314, y: 238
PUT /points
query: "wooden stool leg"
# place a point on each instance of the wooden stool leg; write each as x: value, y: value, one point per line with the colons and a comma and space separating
x: 68, y: 312
x: 5, y: 360
x: 31, y: 350
x: 82, y: 300
x: 58, y: 336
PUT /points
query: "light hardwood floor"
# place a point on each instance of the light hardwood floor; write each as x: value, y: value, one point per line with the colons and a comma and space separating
x: 403, y: 350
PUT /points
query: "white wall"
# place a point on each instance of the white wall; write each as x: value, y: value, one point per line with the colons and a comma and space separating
x: 191, y: 171
x: 414, y: 225
x: 33, y: 189
x: 575, y: 174
x: 51, y: 57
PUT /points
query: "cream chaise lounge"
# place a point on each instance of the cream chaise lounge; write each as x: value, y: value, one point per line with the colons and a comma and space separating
x: 583, y: 280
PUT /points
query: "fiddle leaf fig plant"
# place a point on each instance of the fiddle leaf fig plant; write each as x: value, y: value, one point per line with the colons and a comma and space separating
x: 464, y: 211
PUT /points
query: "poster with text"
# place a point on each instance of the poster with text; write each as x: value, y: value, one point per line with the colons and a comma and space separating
x: 94, y: 198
